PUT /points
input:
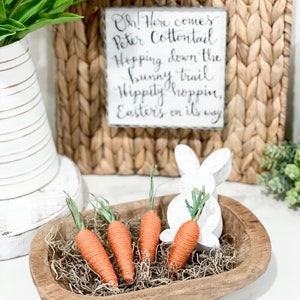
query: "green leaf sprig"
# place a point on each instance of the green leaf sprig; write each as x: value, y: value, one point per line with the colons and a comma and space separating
x: 281, y: 170
x: 21, y: 17
x: 199, y: 199
x: 75, y: 212
x: 151, y: 190
x: 103, y: 209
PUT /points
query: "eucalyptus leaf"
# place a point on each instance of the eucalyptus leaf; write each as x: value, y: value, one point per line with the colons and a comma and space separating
x: 281, y: 173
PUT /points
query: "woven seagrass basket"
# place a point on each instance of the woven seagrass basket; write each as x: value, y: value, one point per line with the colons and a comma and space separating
x: 258, y: 51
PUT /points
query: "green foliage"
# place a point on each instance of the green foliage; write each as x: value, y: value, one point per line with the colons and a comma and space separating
x: 281, y: 164
x: 151, y: 191
x: 20, y: 17
x: 103, y: 209
x: 74, y: 212
x: 199, y: 199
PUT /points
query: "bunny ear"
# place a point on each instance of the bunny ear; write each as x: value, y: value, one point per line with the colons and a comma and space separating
x: 218, y: 163
x: 186, y: 159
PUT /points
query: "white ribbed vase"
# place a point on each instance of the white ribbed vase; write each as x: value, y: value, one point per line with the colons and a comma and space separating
x: 28, y: 158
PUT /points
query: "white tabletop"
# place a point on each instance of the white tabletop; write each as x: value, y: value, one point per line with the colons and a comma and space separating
x: 281, y: 279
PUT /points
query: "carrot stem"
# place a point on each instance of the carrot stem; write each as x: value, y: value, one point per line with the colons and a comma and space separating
x: 151, y: 191
x: 199, y: 199
x: 74, y: 212
x: 104, y: 212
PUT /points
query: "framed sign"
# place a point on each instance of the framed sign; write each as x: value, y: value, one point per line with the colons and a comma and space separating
x: 165, y: 67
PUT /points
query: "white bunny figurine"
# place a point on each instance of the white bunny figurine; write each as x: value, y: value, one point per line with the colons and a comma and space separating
x: 214, y: 170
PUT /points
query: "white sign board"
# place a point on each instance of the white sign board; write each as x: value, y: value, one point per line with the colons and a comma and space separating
x: 165, y: 66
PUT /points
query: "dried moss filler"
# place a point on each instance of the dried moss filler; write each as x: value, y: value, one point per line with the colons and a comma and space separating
x: 73, y: 273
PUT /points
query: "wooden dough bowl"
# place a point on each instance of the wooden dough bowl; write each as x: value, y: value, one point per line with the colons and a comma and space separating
x: 253, y: 245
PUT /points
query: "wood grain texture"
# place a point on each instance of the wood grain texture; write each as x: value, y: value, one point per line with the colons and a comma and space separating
x: 253, y: 244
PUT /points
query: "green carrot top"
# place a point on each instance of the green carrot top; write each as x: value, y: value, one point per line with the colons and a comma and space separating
x: 103, y: 209
x: 199, y: 199
x: 151, y: 191
x: 75, y: 212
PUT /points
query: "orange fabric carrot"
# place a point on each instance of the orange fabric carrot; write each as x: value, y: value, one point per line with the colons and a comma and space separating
x: 119, y: 239
x: 187, y: 236
x: 91, y: 249
x: 150, y: 227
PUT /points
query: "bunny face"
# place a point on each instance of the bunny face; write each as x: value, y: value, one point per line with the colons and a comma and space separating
x: 215, y: 169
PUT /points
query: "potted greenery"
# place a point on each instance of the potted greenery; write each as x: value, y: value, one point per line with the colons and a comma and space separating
x: 281, y: 170
x: 20, y: 17
x: 29, y: 164
x: 27, y: 153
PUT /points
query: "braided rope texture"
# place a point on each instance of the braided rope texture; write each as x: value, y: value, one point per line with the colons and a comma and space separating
x: 258, y: 52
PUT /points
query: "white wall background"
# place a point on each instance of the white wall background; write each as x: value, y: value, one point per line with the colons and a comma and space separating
x: 43, y: 57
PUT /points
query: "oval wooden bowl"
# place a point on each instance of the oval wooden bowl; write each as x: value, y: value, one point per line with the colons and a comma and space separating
x: 253, y: 245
